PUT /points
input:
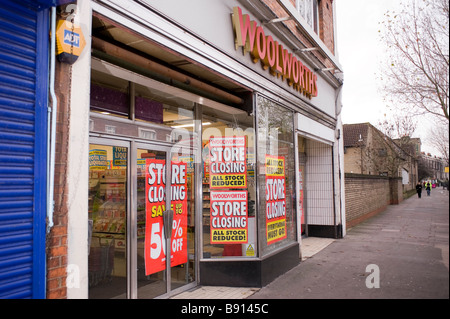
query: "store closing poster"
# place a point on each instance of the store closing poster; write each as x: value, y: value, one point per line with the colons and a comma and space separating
x: 154, y: 248
x: 227, y: 162
x: 228, y: 184
x: 275, y: 199
x: 229, y: 218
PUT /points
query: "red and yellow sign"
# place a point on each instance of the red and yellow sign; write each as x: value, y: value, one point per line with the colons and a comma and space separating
x: 155, y: 183
x: 227, y: 162
x: 275, y: 199
x: 229, y: 218
x: 273, y: 55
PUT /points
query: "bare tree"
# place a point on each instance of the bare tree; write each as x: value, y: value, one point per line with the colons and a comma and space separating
x: 386, y: 154
x: 401, y: 153
x: 438, y: 138
x: 398, y: 126
x: 415, y: 78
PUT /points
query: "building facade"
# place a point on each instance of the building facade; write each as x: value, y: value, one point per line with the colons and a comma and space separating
x: 24, y: 118
x: 369, y: 152
x: 434, y: 168
x: 236, y: 103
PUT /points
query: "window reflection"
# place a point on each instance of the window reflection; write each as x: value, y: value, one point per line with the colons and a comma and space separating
x: 277, y: 224
x: 221, y: 125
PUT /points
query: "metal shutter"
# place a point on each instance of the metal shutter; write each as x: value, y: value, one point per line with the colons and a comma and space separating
x: 23, y: 95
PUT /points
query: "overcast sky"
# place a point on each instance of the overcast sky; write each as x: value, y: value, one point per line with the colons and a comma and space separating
x: 359, y: 50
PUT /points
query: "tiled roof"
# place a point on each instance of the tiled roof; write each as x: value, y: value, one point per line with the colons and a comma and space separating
x: 354, y: 132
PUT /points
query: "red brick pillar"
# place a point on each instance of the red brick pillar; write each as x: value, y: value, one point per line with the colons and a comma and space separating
x: 57, y: 238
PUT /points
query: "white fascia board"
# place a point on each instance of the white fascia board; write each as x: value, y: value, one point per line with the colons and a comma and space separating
x: 170, y: 36
x: 313, y: 129
x: 166, y: 34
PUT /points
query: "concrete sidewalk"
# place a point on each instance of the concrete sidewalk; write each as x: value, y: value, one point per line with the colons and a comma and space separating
x: 408, y: 243
x: 404, y: 249
x: 311, y: 246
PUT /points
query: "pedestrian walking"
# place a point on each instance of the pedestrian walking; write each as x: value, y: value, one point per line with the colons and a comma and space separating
x: 419, y: 190
x: 428, y: 188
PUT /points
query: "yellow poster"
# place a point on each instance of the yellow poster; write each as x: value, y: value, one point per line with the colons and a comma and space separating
x: 275, y: 199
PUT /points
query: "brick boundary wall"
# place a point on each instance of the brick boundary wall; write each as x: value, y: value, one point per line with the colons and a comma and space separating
x: 396, y: 188
x: 368, y: 195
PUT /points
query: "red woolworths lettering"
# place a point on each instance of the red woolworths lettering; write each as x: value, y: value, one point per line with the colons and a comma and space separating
x: 272, y: 55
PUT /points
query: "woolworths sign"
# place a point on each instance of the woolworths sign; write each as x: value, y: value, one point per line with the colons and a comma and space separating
x: 272, y: 55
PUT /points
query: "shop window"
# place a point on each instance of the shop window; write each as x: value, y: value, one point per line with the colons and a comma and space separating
x: 148, y: 110
x: 229, y: 191
x: 136, y: 109
x: 109, y: 95
x: 276, y: 176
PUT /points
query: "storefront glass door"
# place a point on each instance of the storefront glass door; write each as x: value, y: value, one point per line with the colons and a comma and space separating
x: 108, y: 213
x: 156, y: 197
x: 134, y: 187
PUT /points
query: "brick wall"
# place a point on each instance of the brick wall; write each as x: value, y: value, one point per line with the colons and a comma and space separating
x: 352, y: 160
x: 57, y: 237
x: 396, y: 190
x: 365, y: 196
x: 326, y: 29
x: 326, y: 33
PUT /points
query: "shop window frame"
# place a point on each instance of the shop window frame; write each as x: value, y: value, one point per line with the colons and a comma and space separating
x: 266, y: 251
x: 253, y: 128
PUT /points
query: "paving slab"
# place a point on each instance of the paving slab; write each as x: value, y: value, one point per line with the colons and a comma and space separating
x: 401, y: 253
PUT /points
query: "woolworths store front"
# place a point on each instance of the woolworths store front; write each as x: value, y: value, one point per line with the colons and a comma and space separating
x: 205, y: 132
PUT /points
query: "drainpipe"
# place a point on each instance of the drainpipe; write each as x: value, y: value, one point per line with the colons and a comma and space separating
x: 52, y: 129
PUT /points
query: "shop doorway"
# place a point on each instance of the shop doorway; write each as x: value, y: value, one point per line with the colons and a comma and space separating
x: 132, y: 187
x: 316, y: 190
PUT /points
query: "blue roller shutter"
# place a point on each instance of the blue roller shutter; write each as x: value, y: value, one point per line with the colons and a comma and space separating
x: 24, y: 40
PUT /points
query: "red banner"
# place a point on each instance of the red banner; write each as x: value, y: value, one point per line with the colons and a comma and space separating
x: 154, y: 248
